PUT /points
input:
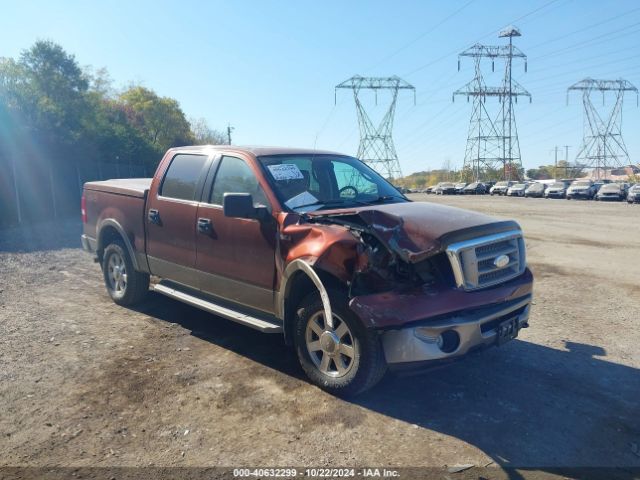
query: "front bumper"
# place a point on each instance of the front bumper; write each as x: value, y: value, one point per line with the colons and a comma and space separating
x: 613, y: 197
x: 579, y: 194
x: 475, y: 330
x: 560, y: 194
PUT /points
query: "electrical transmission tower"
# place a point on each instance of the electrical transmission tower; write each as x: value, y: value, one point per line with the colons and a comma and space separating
x: 376, y: 143
x: 602, y: 143
x: 492, y: 142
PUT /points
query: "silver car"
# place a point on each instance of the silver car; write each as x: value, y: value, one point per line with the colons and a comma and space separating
x: 634, y: 194
x: 612, y: 191
x: 581, y: 189
x: 517, y: 190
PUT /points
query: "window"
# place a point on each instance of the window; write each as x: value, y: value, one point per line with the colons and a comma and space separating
x: 235, y: 176
x: 182, y: 177
x: 352, y: 180
x: 313, y: 181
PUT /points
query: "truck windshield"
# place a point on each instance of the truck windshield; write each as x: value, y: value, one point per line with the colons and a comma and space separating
x: 307, y: 182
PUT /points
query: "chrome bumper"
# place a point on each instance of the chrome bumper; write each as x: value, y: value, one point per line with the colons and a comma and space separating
x: 419, y: 343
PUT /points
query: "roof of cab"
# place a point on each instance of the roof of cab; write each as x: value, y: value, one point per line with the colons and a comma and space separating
x: 257, y: 150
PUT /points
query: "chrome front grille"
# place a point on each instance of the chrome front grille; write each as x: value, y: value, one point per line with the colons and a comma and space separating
x: 486, y: 261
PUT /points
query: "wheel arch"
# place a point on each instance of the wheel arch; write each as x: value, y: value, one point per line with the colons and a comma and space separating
x: 110, y: 230
x: 299, y: 279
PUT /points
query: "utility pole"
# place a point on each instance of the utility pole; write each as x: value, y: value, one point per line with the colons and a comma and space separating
x: 229, y: 130
x: 566, y: 161
x: 555, y: 170
x: 602, y: 142
x: 376, y: 143
x: 493, y: 145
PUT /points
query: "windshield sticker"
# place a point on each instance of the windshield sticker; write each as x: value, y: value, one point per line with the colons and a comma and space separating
x: 285, y: 171
x: 304, y: 198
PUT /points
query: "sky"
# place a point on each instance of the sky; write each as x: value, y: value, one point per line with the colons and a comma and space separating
x: 269, y: 68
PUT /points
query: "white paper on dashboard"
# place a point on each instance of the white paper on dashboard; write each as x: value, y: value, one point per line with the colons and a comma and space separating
x: 285, y: 171
x: 303, y: 198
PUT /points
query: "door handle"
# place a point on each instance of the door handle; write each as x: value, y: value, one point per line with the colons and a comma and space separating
x: 153, y: 216
x: 204, y: 225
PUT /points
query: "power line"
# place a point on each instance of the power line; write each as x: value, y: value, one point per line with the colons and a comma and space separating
x: 422, y: 35
x: 492, y: 145
x: 449, y: 54
x: 376, y: 143
x: 591, y: 40
x: 602, y: 145
x: 588, y: 27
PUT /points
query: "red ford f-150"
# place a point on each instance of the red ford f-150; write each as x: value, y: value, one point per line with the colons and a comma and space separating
x: 318, y: 247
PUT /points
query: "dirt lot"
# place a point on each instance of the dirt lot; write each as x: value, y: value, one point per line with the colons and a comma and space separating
x: 85, y: 382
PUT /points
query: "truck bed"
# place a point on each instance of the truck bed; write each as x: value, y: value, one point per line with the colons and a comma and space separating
x: 133, y: 187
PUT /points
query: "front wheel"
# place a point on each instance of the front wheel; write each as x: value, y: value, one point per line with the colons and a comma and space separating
x: 344, y: 360
x: 125, y: 285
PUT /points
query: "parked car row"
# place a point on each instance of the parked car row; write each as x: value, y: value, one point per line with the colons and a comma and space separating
x: 588, y: 190
x: 450, y: 188
x: 568, y: 189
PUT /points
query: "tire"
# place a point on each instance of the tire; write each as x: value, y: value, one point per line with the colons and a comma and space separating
x: 125, y: 285
x: 360, y: 369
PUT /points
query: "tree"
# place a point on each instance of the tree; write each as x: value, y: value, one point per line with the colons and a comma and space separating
x: 100, y: 81
x: 57, y: 118
x: 205, y: 135
x: 564, y: 169
x: 160, y: 119
x: 51, y: 93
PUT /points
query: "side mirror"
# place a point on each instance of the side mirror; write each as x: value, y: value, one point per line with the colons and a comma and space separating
x: 240, y: 205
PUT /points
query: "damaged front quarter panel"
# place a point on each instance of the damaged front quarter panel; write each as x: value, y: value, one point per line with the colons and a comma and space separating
x: 368, y: 252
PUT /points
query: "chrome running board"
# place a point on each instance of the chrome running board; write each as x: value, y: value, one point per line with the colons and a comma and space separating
x: 264, y: 326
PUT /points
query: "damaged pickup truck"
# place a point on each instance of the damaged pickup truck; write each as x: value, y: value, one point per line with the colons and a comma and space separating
x: 315, y: 246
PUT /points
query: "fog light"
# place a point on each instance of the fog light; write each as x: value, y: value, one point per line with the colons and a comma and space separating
x: 449, y: 341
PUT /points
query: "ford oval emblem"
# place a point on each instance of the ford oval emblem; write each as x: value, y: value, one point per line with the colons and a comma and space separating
x: 501, y: 261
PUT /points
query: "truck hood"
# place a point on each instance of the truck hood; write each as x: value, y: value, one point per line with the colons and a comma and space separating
x: 416, y: 230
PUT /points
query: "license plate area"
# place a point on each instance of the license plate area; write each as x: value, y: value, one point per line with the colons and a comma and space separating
x: 507, y: 330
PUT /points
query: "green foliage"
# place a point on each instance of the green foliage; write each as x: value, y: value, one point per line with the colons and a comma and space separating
x: 563, y: 170
x: 204, y: 135
x: 424, y: 179
x: 159, y: 119
x: 71, y: 112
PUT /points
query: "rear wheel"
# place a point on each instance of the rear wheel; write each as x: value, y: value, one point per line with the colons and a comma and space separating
x: 345, y: 359
x: 125, y: 285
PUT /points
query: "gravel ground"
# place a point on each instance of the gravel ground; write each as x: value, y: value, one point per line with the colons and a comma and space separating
x: 84, y: 382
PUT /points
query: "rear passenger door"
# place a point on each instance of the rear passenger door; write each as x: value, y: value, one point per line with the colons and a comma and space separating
x: 170, y: 218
